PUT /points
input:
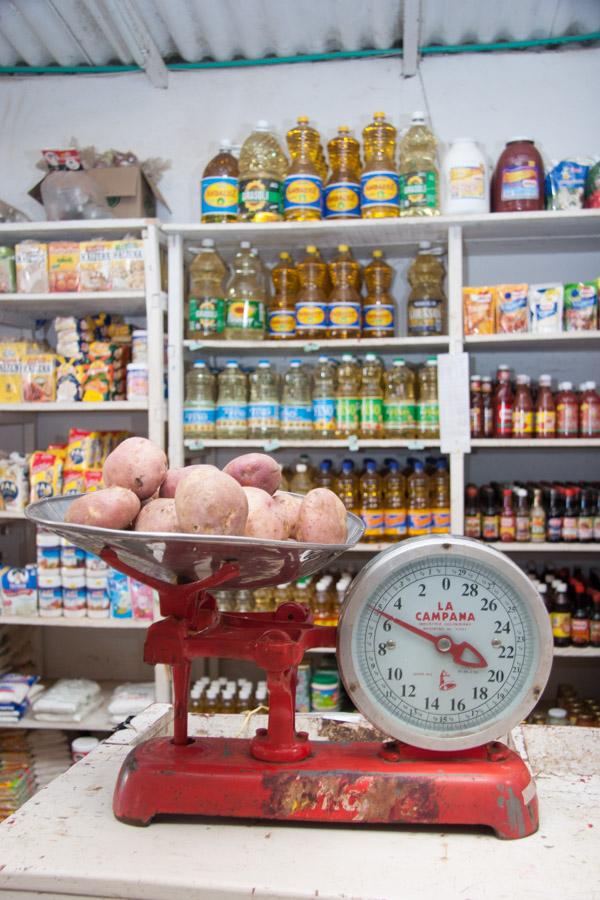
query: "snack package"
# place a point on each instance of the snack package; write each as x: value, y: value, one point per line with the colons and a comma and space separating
x: 63, y: 266
x: 82, y: 449
x: 118, y: 592
x: 32, y: 267
x: 11, y: 385
x: 142, y: 600
x: 545, y: 308
x: 45, y: 475
x: 8, y: 275
x: 92, y: 480
x: 127, y: 265
x: 73, y: 482
x: 581, y: 306
x: 511, y: 308
x: 38, y: 378
x: 69, y: 376
x: 479, y: 310
x: 592, y: 187
x: 97, y: 384
x: 14, y: 482
x: 94, y: 265
x: 565, y: 185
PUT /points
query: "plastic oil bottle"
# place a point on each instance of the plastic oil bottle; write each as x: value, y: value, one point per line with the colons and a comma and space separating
x: 232, y: 402
x: 199, y: 412
x: 344, y: 307
x: 263, y: 167
x: 324, y: 476
x: 419, y: 172
x: 428, y: 406
x: 399, y: 402
x: 263, y: 410
x: 426, y: 308
x: 394, y: 503
x: 371, y: 397
x: 348, y: 397
x: 205, y: 307
x: 296, y: 402
x: 281, y: 314
x: 302, y: 480
x: 311, y: 302
x: 371, y: 503
x: 324, y: 402
x: 303, y: 185
x: 245, y: 298
x: 440, y: 498
x: 219, y: 188
x: 419, y: 510
x: 346, y: 486
x: 379, y: 309
x: 342, y: 191
x: 379, y: 178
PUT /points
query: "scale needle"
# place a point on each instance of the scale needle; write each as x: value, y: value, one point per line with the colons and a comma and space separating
x: 443, y: 643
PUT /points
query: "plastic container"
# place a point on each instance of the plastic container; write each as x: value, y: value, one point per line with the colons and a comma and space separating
x: 567, y: 411
x: 199, y: 408
x: 137, y: 381
x: 245, y: 307
x: 523, y: 411
x: 74, y: 593
x: 325, y: 691
x: 557, y: 716
x: 426, y: 307
x: 219, y: 188
x: 50, y: 595
x: 428, y: 408
x: 348, y: 397
x: 263, y: 408
x: 589, y: 411
x: 232, y: 402
x: 465, y: 179
x: 205, y: 309
x: 311, y: 302
x: 139, y: 346
x: 419, y: 180
x: 518, y: 183
x: 371, y: 503
x: 81, y: 746
x: 296, y: 402
x: 71, y: 557
x: 324, y: 403
x: 281, y: 312
x: 504, y: 403
x: 545, y: 409
x: 379, y: 309
x: 399, y: 402
x: 262, y: 170
x: 346, y: 486
x: 379, y: 179
x: 394, y: 503
x: 371, y: 397
x: 344, y: 308
x: 97, y: 603
x: 440, y: 498
x: 303, y: 185
x: 419, y: 510
x: 342, y: 191
x: 96, y: 581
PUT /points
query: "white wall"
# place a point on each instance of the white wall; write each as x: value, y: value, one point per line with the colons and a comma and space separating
x: 551, y: 96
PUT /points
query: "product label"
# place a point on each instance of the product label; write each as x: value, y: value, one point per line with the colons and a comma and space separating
x: 379, y: 189
x: 400, y: 417
x: 569, y: 528
x: 538, y: 528
x: 324, y: 414
x: 379, y: 316
x: 302, y: 192
x: 232, y: 415
x: 371, y: 415
x: 580, y: 631
x: 374, y: 522
x: 311, y: 315
x: 466, y: 183
x: 246, y: 314
x: 263, y: 416
x: 296, y: 417
x: 50, y: 598
x: 419, y: 522
x: 490, y: 528
x: 504, y: 419
x: 342, y: 200
x: 425, y: 317
x: 440, y: 521
x: 395, y: 524
x: 585, y: 528
x: 597, y: 528
x: 520, y: 182
x: 545, y: 423
x: 419, y: 190
x: 344, y: 315
x: 561, y: 624
x: 523, y: 531
x: 74, y: 599
x: 507, y: 528
x: 261, y: 199
x: 324, y: 697
x: 473, y: 526
x: 567, y: 419
x: 282, y: 321
x: 581, y: 306
x: 554, y: 528
x: 589, y: 414
x: 199, y: 418
x: 348, y: 414
x: 206, y: 315
x: 595, y: 628
x: 219, y: 197
x: 522, y: 423
x: 428, y: 415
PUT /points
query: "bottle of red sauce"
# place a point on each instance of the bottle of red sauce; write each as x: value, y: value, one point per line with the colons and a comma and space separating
x: 518, y: 184
x: 545, y: 409
x: 589, y: 411
x: 476, y: 407
x: 522, y: 419
x: 488, y: 406
x: 567, y: 411
x: 503, y: 403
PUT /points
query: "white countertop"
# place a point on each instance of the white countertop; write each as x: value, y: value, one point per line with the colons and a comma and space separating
x: 65, y: 842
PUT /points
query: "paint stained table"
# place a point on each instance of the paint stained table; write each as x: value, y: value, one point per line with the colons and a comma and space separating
x: 65, y: 841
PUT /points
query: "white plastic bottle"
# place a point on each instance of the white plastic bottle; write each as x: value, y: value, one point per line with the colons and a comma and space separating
x: 465, y: 179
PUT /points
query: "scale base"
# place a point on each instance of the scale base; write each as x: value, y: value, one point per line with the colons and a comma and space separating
x: 358, y: 782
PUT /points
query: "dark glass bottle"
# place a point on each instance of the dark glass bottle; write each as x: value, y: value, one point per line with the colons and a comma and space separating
x: 560, y: 616
x: 490, y: 514
x: 595, y: 620
x: 580, y: 620
x: 555, y: 514
x: 472, y: 512
x: 570, y: 515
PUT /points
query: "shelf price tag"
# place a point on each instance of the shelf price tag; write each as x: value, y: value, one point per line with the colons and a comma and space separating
x: 312, y: 347
x: 416, y: 445
x: 194, y: 444
x: 353, y: 443
x: 270, y: 446
x: 195, y: 345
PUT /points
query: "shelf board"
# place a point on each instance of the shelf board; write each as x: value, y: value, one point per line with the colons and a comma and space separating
x: 12, y: 514
x: 536, y: 443
x: 316, y: 346
x: 83, y: 622
x: 29, y: 307
x: 272, y: 444
x: 545, y: 547
x: 582, y: 339
x: 106, y: 406
x: 72, y: 229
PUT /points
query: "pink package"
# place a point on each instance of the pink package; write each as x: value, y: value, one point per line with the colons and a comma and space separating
x: 142, y: 600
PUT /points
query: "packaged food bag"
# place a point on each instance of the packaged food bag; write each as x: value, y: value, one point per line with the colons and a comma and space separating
x: 511, y: 308
x: 38, y: 378
x: 32, y: 267
x: 545, y: 308
x: 565, y: 185
x: 479, y: 310
x: 581, y: 306
x: 63, y: 266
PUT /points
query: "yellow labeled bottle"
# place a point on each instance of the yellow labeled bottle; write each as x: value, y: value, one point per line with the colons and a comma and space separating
x: 394, y: 503
x: 263, y: 167
x: 379, y: 179
x: 245, y: 298
x: 311, y: 302
x: 399, y: 402
x: 371, y: 503
x: 419, y: 175
x: 344, y: 307
x: 205, y: 306
x: 281, y: 313
x: 440, y: 498
x: 428, y: 409
x: 371, y: 397
x: 348, y: 397
x: 346, y: 486
x: 379, y: 309
x: 219, y: 188
x: 342, y: 190
x: 426, y: 307
x: 303, y: 185
x: 419, y: 510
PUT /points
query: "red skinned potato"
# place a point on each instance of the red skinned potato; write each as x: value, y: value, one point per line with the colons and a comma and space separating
x: 113, y: 507
x: 255, y: 470
x: 289, y: 509
x: 265, y: 520
x: 158, y: 515
x: 322, y: 518
x: 172, y: 479
x: 137, y: 464
x: 208, y: 501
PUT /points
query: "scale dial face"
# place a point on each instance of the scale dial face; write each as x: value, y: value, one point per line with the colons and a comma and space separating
x: 444, y: 643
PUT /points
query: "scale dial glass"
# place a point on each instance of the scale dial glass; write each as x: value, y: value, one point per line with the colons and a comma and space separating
x: 444, y: 643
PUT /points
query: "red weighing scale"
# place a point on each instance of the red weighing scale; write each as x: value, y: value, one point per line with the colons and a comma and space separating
x: 443, y: 644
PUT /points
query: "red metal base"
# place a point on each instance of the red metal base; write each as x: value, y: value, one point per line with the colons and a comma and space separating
x: 360, y: 782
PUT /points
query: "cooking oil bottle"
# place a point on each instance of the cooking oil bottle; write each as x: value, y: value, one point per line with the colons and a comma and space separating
x: 263, y: 409
x: 348, y: 397
x: 205, y: 307
x: 371, y: 397
x: 219, y: 188
x: 394, y: 503
x: 302, y: 480
x: 379, y: 310
x: 263, y: 167
x: 440, y: 498
x: 311, y: 302
x: 324, y: 397
x: 342, y: 191
x: 281, y: 314
x: 419, y: 510
x: 245, y: 298
x: 428, y: 406
x: 303, y: 186
x: 324, y: 476
x: 344, y: 306
x: 379, y: 179
x: 296, y: 402
x: 426, y: 308
x: 419, y: 173
x: 232, y: 402
x: 199, y: 412
x: 371, y: 503
x: 399, y: 402
x: 346, y: 486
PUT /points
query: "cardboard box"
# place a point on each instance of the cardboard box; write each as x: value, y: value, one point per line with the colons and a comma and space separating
x: 129, y: 193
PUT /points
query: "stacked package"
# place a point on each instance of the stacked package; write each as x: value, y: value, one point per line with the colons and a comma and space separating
x: 129, y: 700
x: 16, y: 692
x: 69, y: 699
x: 17, y: 782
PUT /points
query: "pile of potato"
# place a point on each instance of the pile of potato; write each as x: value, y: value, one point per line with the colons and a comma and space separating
x: 242, y: 499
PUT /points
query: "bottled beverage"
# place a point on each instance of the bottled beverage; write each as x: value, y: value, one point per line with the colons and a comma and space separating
x: 325, y: 477
x: 596, y: 524
x: 322, y: 611
x: 537, y: 518
x: 522, y: 418
x: 303, y: 185
x: 379, y: 310
x: 570, y: 518
x: 472, y: 513
x: 342, y: 191
x: 522, y: 516
x: 585, y: 521
x: 219, y: 188
x: 428, y: 410
x: 205, y: 307
x: 476, y: 407
x: 595, y: 620
x: 344, y: 310
x: 262, y: 273
x: 518, y: 182
x: 281, y: 314
x: 296, y: 402
x: 419, y: 180
x: 419, y: 510
x: 394, y: 503
x: 371, y: 397
x: 346, y: 486
x: 508, y: 525
x: 490, y: 517
x: 503, y: 403
x: 199, y: 412
x: 560, y: 616
x: 589, y: 411
x: 554, y: 521
x: 399, y: 402
x: 348, y: 397
x: 465, y: 186
x: 324, y: 397
x: 580, y: 619
x: 245, y: 298
x: 379, y: 178
x: 263, y: 167
x: 545, y: 410
x: 371, y: 503
x: 263, y: 411
x: 232, y: 402
x: 488, y: 406
x: 567, y: 411
x: 440, y: 498
x: 302, y: 480
x: 311, y: 301
x: 426, y: 307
